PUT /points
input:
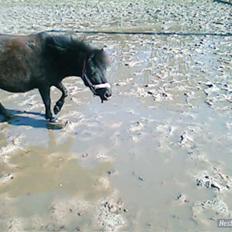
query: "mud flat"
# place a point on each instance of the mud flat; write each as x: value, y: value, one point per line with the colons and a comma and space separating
x: 157, y: 156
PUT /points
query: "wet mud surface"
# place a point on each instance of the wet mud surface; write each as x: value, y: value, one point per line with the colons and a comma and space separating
x: 157, y: 156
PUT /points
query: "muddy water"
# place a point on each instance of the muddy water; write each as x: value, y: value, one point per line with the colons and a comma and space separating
x: 156, y: 157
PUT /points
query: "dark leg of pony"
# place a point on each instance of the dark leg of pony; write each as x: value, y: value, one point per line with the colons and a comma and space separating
x: 4, y: 112
x: 60, y: 102
x: 45, y: 94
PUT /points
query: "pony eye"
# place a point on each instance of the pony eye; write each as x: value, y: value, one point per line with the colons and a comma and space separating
x: 93, y: 73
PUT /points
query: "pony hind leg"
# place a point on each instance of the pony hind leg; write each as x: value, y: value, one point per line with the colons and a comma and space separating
x: 4, y: 112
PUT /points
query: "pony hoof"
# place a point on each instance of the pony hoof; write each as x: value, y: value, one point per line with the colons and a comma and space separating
x: 8, y: 117
x: 53, y: 120
x: 56, y: 124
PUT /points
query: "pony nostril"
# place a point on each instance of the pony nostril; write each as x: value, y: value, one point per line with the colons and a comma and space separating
x: 107, y: 94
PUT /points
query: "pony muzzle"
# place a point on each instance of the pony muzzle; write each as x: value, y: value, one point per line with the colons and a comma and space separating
x: 103, y: 91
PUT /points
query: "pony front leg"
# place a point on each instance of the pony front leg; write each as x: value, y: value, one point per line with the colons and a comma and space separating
x: 59, y: 104
x: 45, y: 94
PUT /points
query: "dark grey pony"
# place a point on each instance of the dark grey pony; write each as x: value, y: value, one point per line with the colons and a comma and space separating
x: 39, y: 61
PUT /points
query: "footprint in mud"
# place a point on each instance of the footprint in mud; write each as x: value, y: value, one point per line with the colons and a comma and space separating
x: 210, y: 209
x: 136, y: 131
x: 214, y: 179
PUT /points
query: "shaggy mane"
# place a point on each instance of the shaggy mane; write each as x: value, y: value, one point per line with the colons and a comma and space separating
x: 69, y: 43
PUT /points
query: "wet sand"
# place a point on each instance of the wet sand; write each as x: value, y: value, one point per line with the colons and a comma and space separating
x: 157, y: 156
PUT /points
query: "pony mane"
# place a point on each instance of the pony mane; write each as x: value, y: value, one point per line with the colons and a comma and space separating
x: 69, y: 43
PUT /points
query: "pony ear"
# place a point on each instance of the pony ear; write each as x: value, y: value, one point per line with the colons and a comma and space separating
x: 99, y: 56
x: 99, y: 52
x: 96, y: 53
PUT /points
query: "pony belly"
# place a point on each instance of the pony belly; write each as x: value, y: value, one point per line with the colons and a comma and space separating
x: 14, y: 89
x: 14, y: 84
x: 15, y: 75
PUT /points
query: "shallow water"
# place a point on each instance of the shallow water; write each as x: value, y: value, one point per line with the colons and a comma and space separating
x: 156, y: 157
